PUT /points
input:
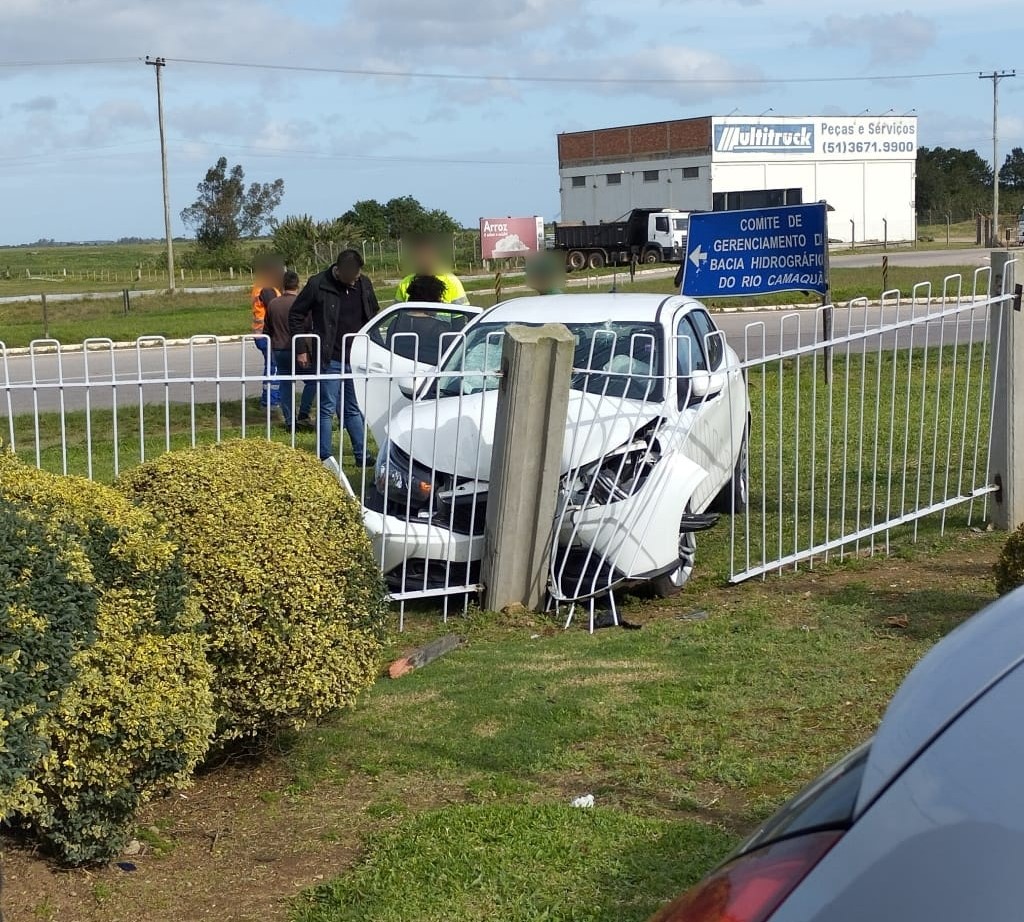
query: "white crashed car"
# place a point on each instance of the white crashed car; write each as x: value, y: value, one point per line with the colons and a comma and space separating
x: 655, y: 438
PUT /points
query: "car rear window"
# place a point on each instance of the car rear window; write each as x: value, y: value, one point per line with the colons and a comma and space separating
x: 827, y: 803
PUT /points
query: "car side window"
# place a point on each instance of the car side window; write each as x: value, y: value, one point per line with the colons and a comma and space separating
x: 710, y: 339
x: 689, y: 350
x: 419, y: 334
x: 661, y: 225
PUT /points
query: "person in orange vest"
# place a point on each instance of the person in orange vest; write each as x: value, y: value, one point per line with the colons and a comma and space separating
x: 268, y: 283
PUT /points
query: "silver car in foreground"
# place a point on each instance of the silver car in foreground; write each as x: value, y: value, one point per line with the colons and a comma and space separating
x: 923, y: 823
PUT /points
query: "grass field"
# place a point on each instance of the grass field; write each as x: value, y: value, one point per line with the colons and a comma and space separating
x: 445, y: 795
x: 227, y: 313
x: 112, y: 267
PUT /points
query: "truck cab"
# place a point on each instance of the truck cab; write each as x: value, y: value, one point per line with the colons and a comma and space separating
x: 665, y: 237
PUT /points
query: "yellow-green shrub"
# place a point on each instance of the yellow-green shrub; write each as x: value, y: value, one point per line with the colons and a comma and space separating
x: 1010, y: 565
x: 283, y: 570
x: 100, y: 633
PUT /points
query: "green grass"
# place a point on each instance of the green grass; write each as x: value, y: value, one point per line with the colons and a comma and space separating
x: 453, y: 783
x: 888, y: 436
x: 224, y: 314
x: 687, y: 733
x: 519, y: 864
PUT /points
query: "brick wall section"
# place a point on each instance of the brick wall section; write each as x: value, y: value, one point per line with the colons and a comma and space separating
x: 635, y: 142
x: 612, y: 144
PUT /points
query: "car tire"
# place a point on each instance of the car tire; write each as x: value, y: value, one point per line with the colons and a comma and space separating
x: 651, y: 257
x: 576, y: 260
x: 735, y: 495
x: 596, y: 261
x: 673, y: 582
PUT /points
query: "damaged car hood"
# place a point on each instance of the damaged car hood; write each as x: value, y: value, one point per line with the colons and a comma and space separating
x: 455, y: 435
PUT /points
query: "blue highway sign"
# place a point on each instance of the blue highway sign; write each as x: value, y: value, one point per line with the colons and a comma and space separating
x: 757, y: 251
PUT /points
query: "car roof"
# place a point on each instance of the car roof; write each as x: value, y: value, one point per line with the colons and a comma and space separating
x: 583, y: 308
x: 950, y: 678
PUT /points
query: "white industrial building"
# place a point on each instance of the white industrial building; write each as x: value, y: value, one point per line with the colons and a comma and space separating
x: 864, y: 167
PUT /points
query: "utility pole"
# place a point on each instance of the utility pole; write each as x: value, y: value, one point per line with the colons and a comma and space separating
x: 995, y: 77
x: 158, y: 64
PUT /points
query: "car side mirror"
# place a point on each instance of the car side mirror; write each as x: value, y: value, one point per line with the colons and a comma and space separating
x: 407, y: 387
x: 703, y: 385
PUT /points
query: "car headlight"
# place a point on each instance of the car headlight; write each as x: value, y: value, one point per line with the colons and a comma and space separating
x: 400, y: 479
x: 617, y: 476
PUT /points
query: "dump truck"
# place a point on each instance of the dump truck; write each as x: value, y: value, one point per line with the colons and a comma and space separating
x: 646, y: 235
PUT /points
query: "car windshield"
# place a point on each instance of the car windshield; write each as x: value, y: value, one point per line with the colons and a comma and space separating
x: 613, y: 358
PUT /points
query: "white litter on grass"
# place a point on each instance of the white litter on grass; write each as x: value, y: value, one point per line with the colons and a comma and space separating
x: 585, y: 801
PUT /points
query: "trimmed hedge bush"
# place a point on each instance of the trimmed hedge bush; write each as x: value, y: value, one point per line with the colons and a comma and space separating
x: 104, y: 671
x: 283, y: 571
x: 1010, y: 565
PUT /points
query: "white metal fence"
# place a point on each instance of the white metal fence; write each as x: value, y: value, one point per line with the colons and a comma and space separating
x: 849, y: 437
x: 873, y: 429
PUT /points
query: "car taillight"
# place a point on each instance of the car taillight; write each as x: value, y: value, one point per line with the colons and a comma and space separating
x: 751, y: 888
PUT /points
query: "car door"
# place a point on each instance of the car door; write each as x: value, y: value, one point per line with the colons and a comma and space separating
x: 706, y: 380
x: 395, y: 350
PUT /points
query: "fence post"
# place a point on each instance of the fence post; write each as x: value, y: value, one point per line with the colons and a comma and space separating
x: 1006, y: 460
x: 526, y: 464
x: 46, y: 317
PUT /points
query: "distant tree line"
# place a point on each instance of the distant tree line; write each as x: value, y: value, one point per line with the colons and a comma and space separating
x: 228, y: 213
x: 959, y: 183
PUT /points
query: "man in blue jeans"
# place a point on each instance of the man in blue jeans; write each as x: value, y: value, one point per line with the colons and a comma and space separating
x: 340, y: 301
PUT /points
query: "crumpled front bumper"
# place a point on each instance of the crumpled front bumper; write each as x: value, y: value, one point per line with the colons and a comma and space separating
x: 396, y: 541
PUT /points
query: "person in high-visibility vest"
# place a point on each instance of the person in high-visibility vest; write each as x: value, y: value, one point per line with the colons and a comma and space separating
x: 427, y: 260
x: 268, y: 283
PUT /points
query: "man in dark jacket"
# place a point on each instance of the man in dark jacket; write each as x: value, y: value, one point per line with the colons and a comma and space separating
x: 340, y: 300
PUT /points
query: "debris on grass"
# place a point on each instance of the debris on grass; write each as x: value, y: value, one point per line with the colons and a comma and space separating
x: 425, y: 654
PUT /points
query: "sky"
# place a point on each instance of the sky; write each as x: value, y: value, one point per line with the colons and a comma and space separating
x: 80, y: 152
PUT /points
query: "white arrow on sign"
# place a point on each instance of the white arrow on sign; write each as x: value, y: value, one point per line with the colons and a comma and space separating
x: 698, y: 256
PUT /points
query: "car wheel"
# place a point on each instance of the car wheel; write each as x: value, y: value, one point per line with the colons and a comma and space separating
x: 672, y: 583
x: 577, y: 260
x: 596, y: 261
x: 736, y: 493
x: 651, y: 257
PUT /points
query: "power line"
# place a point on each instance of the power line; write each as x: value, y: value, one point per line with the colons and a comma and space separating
x: 383, y: 158
x: 70, y: 62
x: 546, y: 78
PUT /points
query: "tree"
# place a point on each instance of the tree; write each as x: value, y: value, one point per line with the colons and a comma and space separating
x: 1012, y: 173
x: 952, y: 181
x: 226, y: 211
x: 370, y: 217
x: 404, y: 216
x: 300, y: 240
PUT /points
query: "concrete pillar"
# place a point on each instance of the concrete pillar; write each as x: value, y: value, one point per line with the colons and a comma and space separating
x: 526, y: 464
x: 1006, y: 462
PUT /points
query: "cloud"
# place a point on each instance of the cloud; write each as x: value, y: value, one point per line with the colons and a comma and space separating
x: 37, y: 104
x: 419, y: 24
x: 114, y: 28
x: 704, y: 74
x: 890, y: 37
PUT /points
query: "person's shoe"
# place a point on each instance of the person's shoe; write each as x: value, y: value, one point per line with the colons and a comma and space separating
x: 369, y: 461
x: 305, y: 424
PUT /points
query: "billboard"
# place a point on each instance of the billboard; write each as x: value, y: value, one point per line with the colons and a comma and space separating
x: 825, y: 138
x: 502, y: 238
